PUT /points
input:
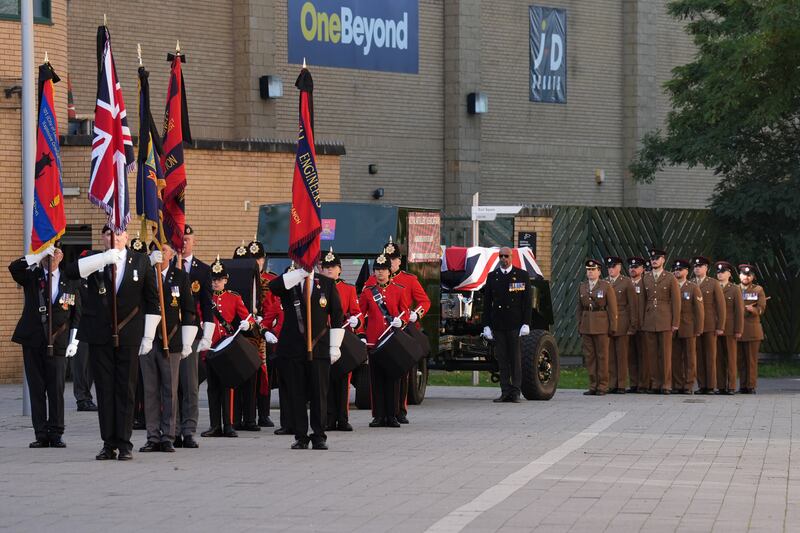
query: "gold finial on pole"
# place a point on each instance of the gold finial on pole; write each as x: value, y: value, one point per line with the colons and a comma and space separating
x: 304, y: 63
x: 177, y: 47
x: 139, y: 52
x: 46, y: 59
x: 105, y: 20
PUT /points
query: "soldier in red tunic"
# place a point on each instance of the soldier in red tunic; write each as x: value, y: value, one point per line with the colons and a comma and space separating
x: 339, y: 394
x: 383, y: 305
x: 227, y: 308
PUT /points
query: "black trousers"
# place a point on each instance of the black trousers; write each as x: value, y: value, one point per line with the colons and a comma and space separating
x: 283, y: 367
x: 384, y: 391
x: 138, y: 399
x: 244, y: 408
x: 507, y: 353
x: 263, y: 400
x: 82, y: 374
x: 45, y: 375
x: 339, y: 399
x: 308, y: 381
x: 402, y: 395
x: 219, y: 401
x: 115, y: 372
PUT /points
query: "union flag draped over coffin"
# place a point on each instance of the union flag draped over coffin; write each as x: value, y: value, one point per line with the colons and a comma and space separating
x: 49, y: 221
x: 112, y: 147
x: 176, y: 132
x: 305, y: 224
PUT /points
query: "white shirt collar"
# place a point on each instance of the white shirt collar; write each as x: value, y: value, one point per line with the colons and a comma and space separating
x: 506, y: 270
x: 56, y: 277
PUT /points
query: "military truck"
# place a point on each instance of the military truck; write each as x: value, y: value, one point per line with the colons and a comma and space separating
x: 358, y: 232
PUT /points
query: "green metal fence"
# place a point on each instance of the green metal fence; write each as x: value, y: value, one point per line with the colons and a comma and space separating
x: 583, y: 232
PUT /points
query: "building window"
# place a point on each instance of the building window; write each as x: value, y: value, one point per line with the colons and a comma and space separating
x: 10, y: 9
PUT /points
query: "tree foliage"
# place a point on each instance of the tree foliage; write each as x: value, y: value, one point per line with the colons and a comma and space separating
x: 736, y: 110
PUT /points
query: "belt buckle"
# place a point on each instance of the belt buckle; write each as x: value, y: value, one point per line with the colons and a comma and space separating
x: 42, y: 309
x: 297, y: 303
x: 102, y: 290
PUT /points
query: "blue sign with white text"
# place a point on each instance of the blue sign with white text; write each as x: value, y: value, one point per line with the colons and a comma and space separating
x: 360, y: 34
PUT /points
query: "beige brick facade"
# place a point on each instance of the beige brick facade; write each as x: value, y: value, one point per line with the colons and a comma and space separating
x: 542, y: 225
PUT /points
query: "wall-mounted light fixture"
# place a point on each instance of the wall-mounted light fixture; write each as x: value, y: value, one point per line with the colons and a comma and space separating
x: 270, y: 87
x: 373, y: 168
x: 477, y: 103
x: 378, y: 193
x: 599, y: 176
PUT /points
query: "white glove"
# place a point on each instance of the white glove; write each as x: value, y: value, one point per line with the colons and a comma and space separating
x: 270, y: 338
x: 352, y: 322
x: 487, y: 333
x: 293, y: 277
x: 396, y: 322
x: 244, y: 325
x: 413, y: 316
x: 208, y: 334
x: 188, y: 333
x: 524, y: 330
x: 92, y: 263
x: 150, y: 324
x: 259, y: 319
x: 156, y: 257
x: 72, y: 347
x: 336, y: 336
x: 363, y: 340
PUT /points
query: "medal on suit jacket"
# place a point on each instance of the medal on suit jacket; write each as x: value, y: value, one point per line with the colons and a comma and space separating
x: 323, y: 301
x: 135, y: 275
x: 176, y: 291
x: 195, y: 286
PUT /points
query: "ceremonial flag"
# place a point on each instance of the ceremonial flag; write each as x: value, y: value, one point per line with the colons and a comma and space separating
x: 150, y: 176
x: 305, y: 224
x: 49, y: 221
x: 176, y: 131
x: 112, y: 147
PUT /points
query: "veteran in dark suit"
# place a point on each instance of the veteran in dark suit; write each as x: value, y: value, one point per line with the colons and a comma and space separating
x: 45, y: 372
x: 507, y: 313
x: 114, y: 349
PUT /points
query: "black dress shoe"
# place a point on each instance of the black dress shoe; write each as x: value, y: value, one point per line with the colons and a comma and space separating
x: 266, y: 423
x: 403, y: 419
x: 319, y: 445
x: 189, y: 442
x: 39, y: 443
x: 125, y: 455
x: 57, y: 442
x: 514, y: 399
x: 138, y: 424
x: 167, y: 447
x: 229, y: 432
x: 744, y: 390
x: 178, y: 442
x: 284, y: 431
x: 392, y: 422
x: 726, y: 392
x: 633, y: 390
x: 501, y: 399
x: 149, y: 447
x: 330, y: 426
x: 106, y: 454
x: 87, y: 405
x: 666, y: 391
x: 378, y: 422
x: 300, y: 445
x: 600, y: 393
x: 212, y: 432
x: 251, y: 426
x: 590, y: 393
x: 344, y: 426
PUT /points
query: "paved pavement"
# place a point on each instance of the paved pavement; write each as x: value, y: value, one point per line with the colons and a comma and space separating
x: 613, y: 463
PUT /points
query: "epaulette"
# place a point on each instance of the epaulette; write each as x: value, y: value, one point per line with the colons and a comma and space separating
x: 401, y: 286
x: 233, y: 292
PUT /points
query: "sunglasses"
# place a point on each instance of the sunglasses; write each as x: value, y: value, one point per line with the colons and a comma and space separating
x: 504, y: 255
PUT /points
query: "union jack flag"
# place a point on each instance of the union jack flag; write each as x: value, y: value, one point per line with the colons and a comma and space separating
x: 112, y: 147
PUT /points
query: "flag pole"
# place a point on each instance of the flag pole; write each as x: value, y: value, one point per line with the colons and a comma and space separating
x: 50, y: 305
x: 115, y: 335
x: 309, y: 288
x: 28, y: 149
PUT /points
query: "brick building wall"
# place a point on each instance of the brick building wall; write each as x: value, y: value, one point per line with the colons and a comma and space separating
x: 538, y: 221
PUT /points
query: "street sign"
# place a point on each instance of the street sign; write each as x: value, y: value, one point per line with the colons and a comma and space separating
x: 490, y: 212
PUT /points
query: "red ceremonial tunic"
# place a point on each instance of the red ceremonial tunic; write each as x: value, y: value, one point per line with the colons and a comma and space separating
x: 349, y: 299
x: 394, y: 299
x: 230, y: 306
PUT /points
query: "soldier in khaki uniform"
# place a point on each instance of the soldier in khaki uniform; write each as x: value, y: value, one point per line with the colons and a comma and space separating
x: 755, y: 303
x: 662, y: 316
x: 713, y: 322
x: 684, y: 355
x: 626, y: 326
x: 732, y: 332
x: 637, y: 369
x: 597, y: 319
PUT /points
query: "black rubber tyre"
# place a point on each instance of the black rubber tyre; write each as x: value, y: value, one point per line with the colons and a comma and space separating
x: 540, y: 367
x: 361, y: 384
x: 418, y: 383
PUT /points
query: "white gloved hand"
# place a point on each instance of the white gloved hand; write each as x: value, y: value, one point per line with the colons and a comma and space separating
x: 244, y: 325
x: 72, y: 347
x: 336, y: 336
x: 259, y: 319
x: 487, y: 333
x: 413, y: 316
x: 352, y: 322
x: 93, y: 263
x: 270, y: 337
x: 111, y: 256
x: 208, y: 334
x: 188, y: 333
x: 363, y: 340
x: 396, y: 322
x: 293, y: 277
x: 156, y: 257
x: 150, y: 324
x: 524, y: 330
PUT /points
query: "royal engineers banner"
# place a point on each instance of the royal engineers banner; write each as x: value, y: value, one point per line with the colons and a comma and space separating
x: 548, y: 43
x: 360, y: 34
